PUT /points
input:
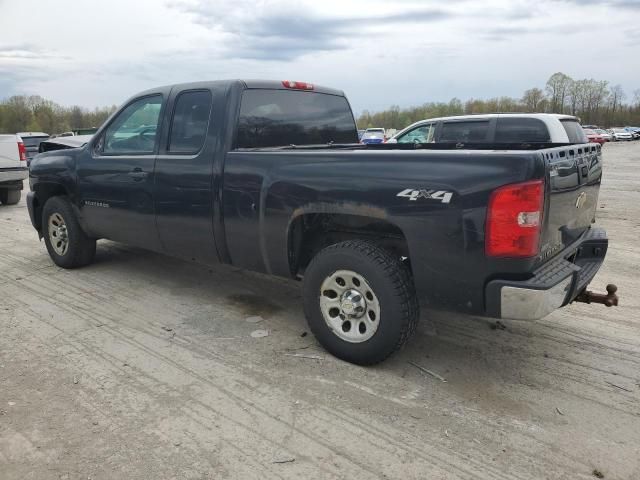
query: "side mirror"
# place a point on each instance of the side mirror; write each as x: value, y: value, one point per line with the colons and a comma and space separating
x: 392, y: 140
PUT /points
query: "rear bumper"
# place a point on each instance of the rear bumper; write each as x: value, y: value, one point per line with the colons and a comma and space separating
x: 553, y: 285
x: 13, y: 175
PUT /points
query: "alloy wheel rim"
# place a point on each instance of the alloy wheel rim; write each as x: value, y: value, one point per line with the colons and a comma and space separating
x: 349, y: 306
x: 58, y: 235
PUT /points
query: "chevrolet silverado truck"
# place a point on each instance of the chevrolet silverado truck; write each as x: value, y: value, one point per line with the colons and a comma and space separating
x: 269, y: 176
x: 13, y: 168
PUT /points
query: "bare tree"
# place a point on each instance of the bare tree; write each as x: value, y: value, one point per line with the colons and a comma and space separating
x: 558, y: 90
x: 533, y: 100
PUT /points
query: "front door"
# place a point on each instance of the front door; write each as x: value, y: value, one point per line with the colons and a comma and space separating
x: 116, y: 180
x: 183, y: 195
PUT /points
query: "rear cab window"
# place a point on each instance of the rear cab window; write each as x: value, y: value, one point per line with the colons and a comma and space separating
x: 574, y: 131
x: 515, y: 130
x: 275, y: 118
x: 472, y: 131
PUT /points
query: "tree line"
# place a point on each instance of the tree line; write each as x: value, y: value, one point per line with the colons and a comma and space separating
x: 33, y: 113
x: 594, y: 101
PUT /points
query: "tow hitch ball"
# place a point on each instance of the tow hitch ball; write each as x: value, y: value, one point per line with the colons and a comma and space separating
x: 609, y: 299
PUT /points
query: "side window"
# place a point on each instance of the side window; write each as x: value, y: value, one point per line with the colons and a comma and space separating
x: 465, y: 132
x: 574, y: 131
x: 134, y: 129
x: 514, y: 130
x: 189, y: 122
x: 421, y: 134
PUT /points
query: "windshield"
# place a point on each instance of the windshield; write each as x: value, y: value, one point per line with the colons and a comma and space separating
x: 620, y: 130
x: 588, y: 131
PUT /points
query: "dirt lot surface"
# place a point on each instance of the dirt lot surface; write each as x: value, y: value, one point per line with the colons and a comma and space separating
x: 143, y: 367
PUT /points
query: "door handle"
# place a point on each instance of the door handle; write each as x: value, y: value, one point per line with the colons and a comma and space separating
x: 137, y: 174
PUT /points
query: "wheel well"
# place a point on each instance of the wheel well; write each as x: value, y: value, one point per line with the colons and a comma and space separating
x: 43, y: 193
x: 308, y: 234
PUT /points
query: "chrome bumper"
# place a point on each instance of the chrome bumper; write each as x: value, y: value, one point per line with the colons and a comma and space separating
x: 13, y: 174
x: 528, y: 304
x: 554, y: 285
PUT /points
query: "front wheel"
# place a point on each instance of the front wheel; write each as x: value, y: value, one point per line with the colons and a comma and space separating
x: 359, y: 301
x: 67, y: 244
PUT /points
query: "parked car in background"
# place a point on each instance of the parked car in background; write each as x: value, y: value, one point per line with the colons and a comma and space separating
x: 373, y: 136
x: 64, y: 143
x: 31, y: 142
x: 606, y: 135
x: 495, y: 128
x: 620, y: 134
x: 13, y: 168
x: 634, y: 131
x: 594, y: 136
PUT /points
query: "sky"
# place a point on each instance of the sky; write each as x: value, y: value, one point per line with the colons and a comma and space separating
x: 381, y: 53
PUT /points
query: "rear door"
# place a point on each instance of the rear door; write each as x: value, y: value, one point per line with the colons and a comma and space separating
x: 183, y: 192
x: 116, y: 175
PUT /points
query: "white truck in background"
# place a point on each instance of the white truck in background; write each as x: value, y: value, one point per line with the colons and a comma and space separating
x: 13, y: 168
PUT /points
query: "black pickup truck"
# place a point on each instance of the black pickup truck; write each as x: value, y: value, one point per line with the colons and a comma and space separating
x: 269, y: 176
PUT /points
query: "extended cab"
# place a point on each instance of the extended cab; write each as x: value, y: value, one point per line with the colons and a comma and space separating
x: 13, y: 168
x: 269, y: 176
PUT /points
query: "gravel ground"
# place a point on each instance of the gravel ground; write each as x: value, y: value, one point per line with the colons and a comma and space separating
x: 143, y: 367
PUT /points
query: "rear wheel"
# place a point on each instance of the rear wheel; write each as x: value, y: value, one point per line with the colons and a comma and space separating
x: 10, y: 197
x: 67, y: 244
x: 359, y: 301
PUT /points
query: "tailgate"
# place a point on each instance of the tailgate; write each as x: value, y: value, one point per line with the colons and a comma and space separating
x: 574, y: 175
x: 9, y: 154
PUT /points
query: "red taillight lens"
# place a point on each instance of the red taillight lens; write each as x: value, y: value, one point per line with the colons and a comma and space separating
x: 514, y: 220
x: 297, y: 85
x: 22, y: 151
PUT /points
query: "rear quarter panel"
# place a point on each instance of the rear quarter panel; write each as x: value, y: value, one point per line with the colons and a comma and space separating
x: 265, y: 191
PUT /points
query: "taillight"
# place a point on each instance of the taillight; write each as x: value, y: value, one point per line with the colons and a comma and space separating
x: 514, y: 220
x: 22, y: 152
x: 297, y: 85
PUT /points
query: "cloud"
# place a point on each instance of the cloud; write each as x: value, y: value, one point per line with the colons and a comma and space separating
x: 26, y: 51
x: 630, y: 4
x: 273, y: 32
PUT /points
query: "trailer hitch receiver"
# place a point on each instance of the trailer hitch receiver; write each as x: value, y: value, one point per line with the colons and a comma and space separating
x: 610, y: 299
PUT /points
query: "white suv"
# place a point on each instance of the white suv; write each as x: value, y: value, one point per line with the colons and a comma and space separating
x: 13, y: 168
x: 495, y: 128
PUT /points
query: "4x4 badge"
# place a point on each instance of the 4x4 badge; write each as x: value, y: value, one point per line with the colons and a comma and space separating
x: 580, y: 201
x: 441, y: 195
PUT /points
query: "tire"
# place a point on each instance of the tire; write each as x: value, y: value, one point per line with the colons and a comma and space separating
x: 386, y: 292
x: 59, y: 223
x: 10, y: 197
